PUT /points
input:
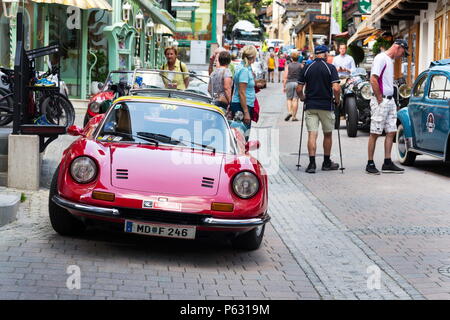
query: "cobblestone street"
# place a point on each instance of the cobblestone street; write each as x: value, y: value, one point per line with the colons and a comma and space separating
x: 328, y: 230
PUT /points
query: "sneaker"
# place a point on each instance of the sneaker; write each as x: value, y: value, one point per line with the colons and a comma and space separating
x: 371, y: 169
x: 288, y: 117
x: 44, y: 83
x: 330, y: 166
x: 311, y: 168
x: 391, y: 168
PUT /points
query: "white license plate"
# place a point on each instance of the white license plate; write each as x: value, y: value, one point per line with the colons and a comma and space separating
x: 160, y: 230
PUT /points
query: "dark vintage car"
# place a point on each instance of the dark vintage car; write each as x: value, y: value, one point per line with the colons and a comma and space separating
x: 424, y: 125
x: 356, y: 94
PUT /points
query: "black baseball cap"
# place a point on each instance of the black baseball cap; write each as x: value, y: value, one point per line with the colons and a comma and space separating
x: 403, y: 43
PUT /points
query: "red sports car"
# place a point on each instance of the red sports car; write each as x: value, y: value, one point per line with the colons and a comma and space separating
x: 161, y: 167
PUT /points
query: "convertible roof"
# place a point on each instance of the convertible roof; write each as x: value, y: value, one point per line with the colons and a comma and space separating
x: 189, y: 103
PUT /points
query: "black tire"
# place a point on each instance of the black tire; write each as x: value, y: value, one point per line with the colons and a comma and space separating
x: 62, y: 221
x: 6, y: 108
x: 250, y: 240
x: 405, y: 157
x: 351, y: 116
x: 58, y: 110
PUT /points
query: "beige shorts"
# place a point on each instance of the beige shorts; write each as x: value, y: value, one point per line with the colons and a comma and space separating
x: 314, y: 116
x: 383, y: 116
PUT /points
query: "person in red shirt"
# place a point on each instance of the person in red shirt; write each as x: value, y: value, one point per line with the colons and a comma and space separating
x: 281, y: 65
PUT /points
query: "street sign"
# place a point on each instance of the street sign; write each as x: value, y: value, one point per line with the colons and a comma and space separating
x: 365, y: 6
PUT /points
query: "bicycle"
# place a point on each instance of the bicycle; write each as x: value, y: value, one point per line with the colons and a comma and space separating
x: 48, y: 101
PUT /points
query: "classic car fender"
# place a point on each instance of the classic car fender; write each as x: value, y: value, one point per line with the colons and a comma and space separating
x: 403, y: 117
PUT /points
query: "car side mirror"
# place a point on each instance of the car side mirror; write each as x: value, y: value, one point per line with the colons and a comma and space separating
x: 75, y: 131
x: 252, y: 145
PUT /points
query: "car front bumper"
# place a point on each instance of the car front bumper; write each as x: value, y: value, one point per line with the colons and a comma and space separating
x: 115, y: 213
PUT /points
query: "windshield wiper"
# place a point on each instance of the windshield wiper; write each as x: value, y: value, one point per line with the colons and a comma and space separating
x: 148, y: 139
x: 196, y: 77
x: 168, y: 139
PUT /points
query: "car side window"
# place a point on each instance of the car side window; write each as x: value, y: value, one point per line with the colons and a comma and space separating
x: 419, y: 89
x: 439, y: 88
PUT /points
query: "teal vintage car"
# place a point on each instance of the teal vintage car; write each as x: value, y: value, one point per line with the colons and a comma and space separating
x: 423, y: 126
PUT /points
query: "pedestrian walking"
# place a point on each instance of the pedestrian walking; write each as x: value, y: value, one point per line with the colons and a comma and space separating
x: 220, y: 82
x: 344, y: 63
x: 320, y: 80
x: 290, y: 79
x: 383, y: 107
x: 281, y: 65
x: 173, y: 80
x: 244, y: 83
x: 271, y: 65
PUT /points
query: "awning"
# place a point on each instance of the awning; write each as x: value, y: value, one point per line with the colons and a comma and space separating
x: 159, y: 15
x: 162, y: 29
x: 82, y: 4
x: 365, y: 30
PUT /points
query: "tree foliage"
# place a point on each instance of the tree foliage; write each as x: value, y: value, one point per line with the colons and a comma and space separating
x: 357, y: 53
x: 237, y: 10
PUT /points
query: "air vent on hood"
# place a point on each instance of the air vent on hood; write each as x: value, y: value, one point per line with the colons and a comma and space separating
x: 207, y: 182
x: 122, y: 174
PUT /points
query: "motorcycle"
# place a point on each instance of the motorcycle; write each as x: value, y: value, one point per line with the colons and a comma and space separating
x: 356, y: 95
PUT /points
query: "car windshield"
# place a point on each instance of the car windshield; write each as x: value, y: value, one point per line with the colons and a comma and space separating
x: 164, y: 79
x: 116, y: 77
x: 166, y: 123
x: 359, y: 72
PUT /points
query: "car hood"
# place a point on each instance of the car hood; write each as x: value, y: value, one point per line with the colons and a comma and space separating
x: 176, y: 171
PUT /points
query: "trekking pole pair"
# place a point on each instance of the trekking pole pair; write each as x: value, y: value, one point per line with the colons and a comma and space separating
x: 336, y: 126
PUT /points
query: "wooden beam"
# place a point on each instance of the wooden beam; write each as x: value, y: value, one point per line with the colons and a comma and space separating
x: 391, y: 17
x: 413, y: 6
x: 400, y: 12
x: 423, y: 1
x: 389, y: 23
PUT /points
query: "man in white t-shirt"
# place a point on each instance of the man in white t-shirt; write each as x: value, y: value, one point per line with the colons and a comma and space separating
x: 344, y: 63
x: 383, y: 107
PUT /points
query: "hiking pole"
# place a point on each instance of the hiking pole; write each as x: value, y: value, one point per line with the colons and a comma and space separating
x: 301, y: 136
x: 337, y: 125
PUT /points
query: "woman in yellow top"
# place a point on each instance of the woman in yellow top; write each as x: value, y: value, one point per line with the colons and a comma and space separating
x: 271, y: 65
x: 174, y: 80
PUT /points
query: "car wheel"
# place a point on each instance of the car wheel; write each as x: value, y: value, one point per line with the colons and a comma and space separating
x: 61, y: 219
x: 250, y: 240
x: 405, y: 157
x: 351, y: 117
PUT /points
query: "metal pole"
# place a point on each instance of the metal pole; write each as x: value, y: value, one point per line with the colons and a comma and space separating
x: 301, y: 136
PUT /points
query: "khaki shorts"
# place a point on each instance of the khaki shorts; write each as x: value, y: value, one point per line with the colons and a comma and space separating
x: 383, y: 116
x: 313, y: 116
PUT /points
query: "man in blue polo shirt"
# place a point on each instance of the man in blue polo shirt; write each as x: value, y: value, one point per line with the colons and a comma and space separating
x: 321, y: 80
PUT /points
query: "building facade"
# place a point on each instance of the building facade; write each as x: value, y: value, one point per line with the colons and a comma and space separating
x: 115, y: 34
x: 425, y: 24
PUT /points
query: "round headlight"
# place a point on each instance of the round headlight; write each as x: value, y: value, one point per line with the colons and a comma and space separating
x: 366, y: 92
x: 94, y: 107
x: 404, y: 91
x: 245, y: 185
x: 83, y: 170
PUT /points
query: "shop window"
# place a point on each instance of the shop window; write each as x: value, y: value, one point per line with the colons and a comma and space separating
x: 70, y: 47
x: 5, y: 56
x: 438, y: 46
x: 419, y: 89
x: 439, y: 88
x: 447, y: 35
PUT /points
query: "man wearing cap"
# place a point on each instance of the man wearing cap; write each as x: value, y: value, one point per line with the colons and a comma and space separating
x: 321, y: 80
x: 383, y: 107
